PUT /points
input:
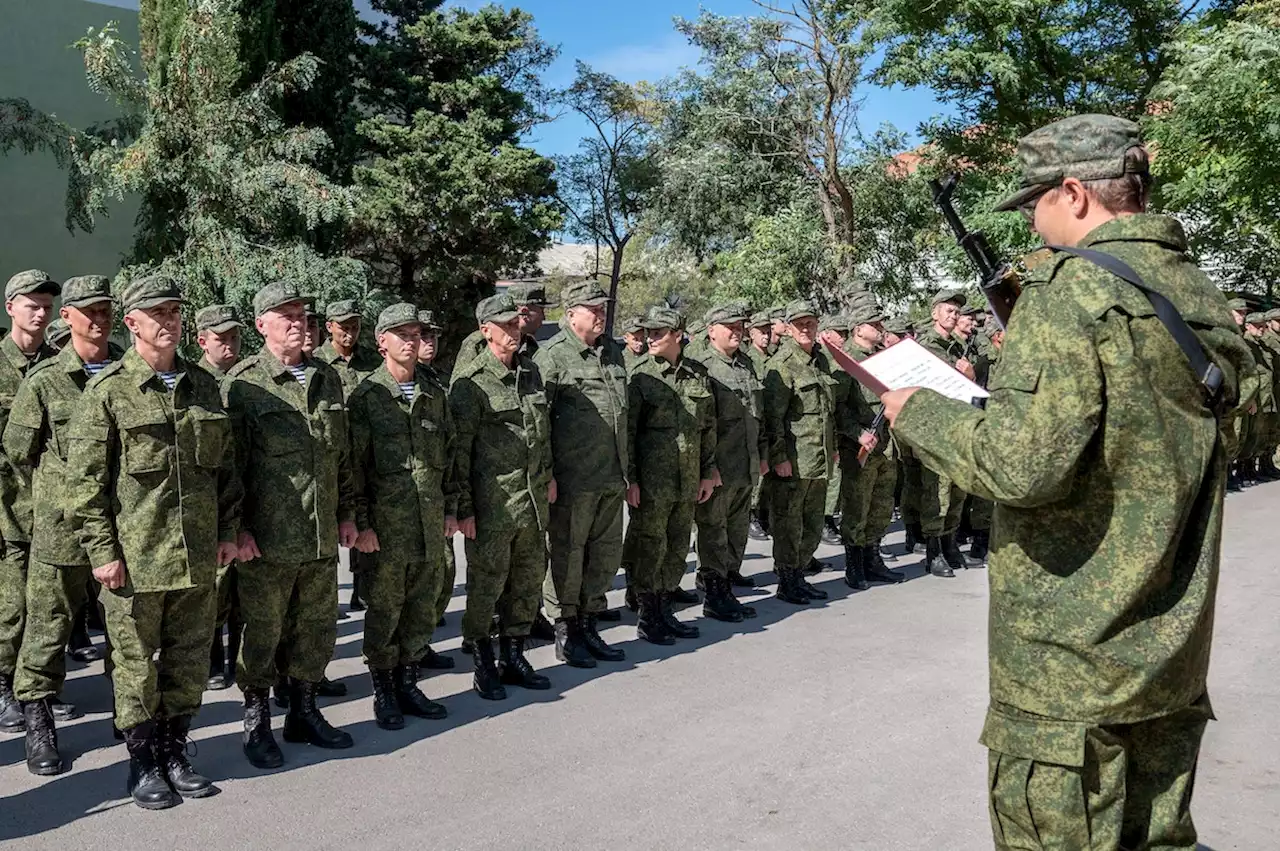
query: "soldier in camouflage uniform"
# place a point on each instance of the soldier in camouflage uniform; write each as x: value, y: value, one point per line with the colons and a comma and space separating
x: 154, y: 496
x: 531, y: 300
x: 1107, y: 470
x: 975, y: 513
x: 1266, y: 422
x: 402, y: 455
x: 586, y: 385
x: 293, y: 454
x: 760, y: 327
x: 1240, y: 429
x: 838, y: 327
x: 799, y: 421
x: 57, y: 334
x: 740, y: 450
x: 218, y: 336
x: 633, y: 340
x: 28, y: 298
x: 502, y: 468
x: 314, y: 337
x: 1269, y: 340
x: 671, y: 446
x: 35, y: 442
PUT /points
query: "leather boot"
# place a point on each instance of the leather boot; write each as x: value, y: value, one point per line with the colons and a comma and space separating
x: 217, y: 663
x: 330, y: 688
x: 681, y: 597
x: 854, y: 570
x: 412, y: 700
x: 934, y: 561
x: 487, y: 682
x: 716, y: 604
x: 11, y: 718
x: 632, y: 602
x: 813, y: 568
x: 650, y: 626
x: 955, y: 558
x: 80, y: 645
x: 434, y: 661
x: 62, y: 710
x: 1233, y: 478
x: 915, y: 537
x: 305, y: 724
x: 260, y: 746
x: 596, y: 645
x: 43, y: 759
x: 814, y: 592
x: 514, y: 669
x: 468, y: 646
x: 171, y: 751
x: 386, y: 708
x: 980, y: 549
x: 282, y: 692
x: 569, y: 646
x: 830, y: 530
x: 357, y: 603
x: 755, y: 531
x: 787, y: 591
x: 676, y: 628
x: 746, y: 611
x: 542, y: 628
x: 738, y: 580
x: 874, y: 568
x: 610, y: 616
x: 147, y: 784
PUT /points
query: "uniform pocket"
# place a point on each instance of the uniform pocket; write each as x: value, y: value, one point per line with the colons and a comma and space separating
x: 59, y: 415
x: 281, y: 432
x: 334, y: 417
x: 146, y: 439
x: 212, y: 431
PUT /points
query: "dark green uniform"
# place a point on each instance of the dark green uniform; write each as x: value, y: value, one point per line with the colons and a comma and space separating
x: 866, y: 501
x: 938, y: 499
x: 350, y: 370
x: 760, y: 494
x: 228, y: 606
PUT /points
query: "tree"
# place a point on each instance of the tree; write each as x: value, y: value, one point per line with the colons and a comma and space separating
x: 604, y: 188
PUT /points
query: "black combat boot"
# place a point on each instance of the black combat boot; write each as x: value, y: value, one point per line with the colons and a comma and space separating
x: 755, y: 531
x: 814, y: 567
x: 610, y: 616
x: 62, y: 710
x: 854, y: 568
x: 746, y: 611
x: 218, y: 679
x: 596, y: 645
x: 934, y: 560
x: 357, y: 602
x: 681, y: 597
x: 43, y: 758
x: 412, y: 700
x: 542, y: 628
x: 674, y: 626
x: 171, y: 751
x: 650, y: 626
x: 814, y: 592
x: 830, y: 529
x: 915, y: 537
x: 487, y: 681
x: 330, y: 688
x: 386, y: 708
x: 980, y: 549
x: 514, y: 669
x: 434, y: 661
x: 1233, y: 478
x: 282, y: 691
x: 632, y: 602
x: 738, y: 580
x: 788, y: 591
x: 260, y: 746
x: 1268, y: 470
x: 718, y: 603
x: 79, y: 644
x: 955, y: 558
x: 11, y: 718
x: 875, y: 569
x: 305, y: 724
x: 147, y: 784
x: 569, y: 646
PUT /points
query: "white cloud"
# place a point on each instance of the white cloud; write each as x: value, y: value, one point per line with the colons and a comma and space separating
x: 635, y: 62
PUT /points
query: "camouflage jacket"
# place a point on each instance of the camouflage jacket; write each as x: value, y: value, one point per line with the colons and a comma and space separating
x: 587, y: 397
x: 15, y: 489
x: 35, y: 441
x: 1265, y: 397
x: 401, y: 454
x: 502, y: 460
x: 293, y: 455
x: 151, y: 474
x: 671, y: 429
x: 218, y: 374
x: 630, y: 358
x: 474, y: 345
x: 799, y: 410
x: 739, y: 404
x: 856, y: 408
x: 352, y: 372
x: 947, y: 348
x: 980, y: 357
x: 1271, y: 343
x: 1108, y: 473
x: 759, y: 359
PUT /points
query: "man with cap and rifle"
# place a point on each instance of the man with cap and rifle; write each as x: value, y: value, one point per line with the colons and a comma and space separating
x: 1101, y: 446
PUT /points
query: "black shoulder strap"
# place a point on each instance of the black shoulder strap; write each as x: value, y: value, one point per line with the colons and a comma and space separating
x: 1206, y: 370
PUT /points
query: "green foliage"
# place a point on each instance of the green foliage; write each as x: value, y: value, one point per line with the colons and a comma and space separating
x: 783, y: 254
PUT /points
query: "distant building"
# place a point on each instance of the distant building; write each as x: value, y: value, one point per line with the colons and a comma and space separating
x: 565, y: 260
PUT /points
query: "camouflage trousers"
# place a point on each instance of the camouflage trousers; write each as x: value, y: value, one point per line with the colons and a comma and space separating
x: 866, y: 501
x: 160, y: 651
x: 912, y: 488
x: 760, y: 499
x: 722, y: 530
x: 54, y: 596
x: 13, y: 602
x: 1067, y: 785
x: 227, y: 596
x: 290, y: 606
x: 834, y: 484
x: 797, y: 520
x: 586, y: 551
x: 505, y: 570
x: 978, y: 511
x: 656, y: 549
x: 448, y: 575
x: 941, y: 503
x: 401, y: 599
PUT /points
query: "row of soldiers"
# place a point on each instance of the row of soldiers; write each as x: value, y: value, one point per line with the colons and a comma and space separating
x: 1257, y: 432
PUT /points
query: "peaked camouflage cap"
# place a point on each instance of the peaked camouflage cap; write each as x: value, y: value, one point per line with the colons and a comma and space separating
x: 836, y: 322
x: 85, y: 290
x: 583, y: 294
x: 218, y: 318
x: 523, y: 294
x: 866, y: 314
x: 898, y: 325
x: 956, y: 297
x: 632, y: 325
x: 1273, y: 314
x: 760, y: 319
x: 278, y: 294
x: 496, y: 308
x: 57, y: 332
x: 661, y: 316
x: 799, y: 309
x: 1256, y: 319
x: 396, y: 316
x: 31, y: 281
x: 148, y: 292
x: 1086, y: 147
x: 724, y: 314
x: 428, y: 320
x: 1237, y: 304
x: 341, y: 311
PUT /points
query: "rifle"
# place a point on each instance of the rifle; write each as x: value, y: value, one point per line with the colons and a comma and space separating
x: 866, y: 379
x: 1000, y: 284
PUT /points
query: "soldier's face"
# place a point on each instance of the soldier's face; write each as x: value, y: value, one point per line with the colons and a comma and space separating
x: 1238, y: 316
x: 222, y: 349
x: 30, y: 312
x: 91, y: 323
x: 872, y: 332
x: 726, y: 337
x: 636, y: 342
x: 1274, y: 325
x: 158, y: 327
x: 587, y: 321
x: 945, y: 315
x: 890, y: 339
x: 284, y: 328
x: 804, y: 330
x: 777, y: 332
x: 761, y: 336
x: 427, y: 346
x: 313, y: 337
x: 665, y: 343
x: 997, y: 339
x: 345, y: 333
x: 964, y: 324
x: 401, y: 344
x: 531, y: 318
x: 503, y: 337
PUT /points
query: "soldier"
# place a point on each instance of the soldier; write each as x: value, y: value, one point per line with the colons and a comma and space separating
x: 402, y: 454
x: 35, y: 442
x: 799, y: 417
x: 502, y: 468
x: 975, y: 513
x: 154, y: 496
x: 1267, y: 419
x: 1107, y: 470
x: 291, y: 435
x: 895, y: 331
x: 586, y: 386
x: 57, y: 334
x: 671, y: 446
x: 838, y: 326
x: 218, y: 336
x: 531, y: 300
x: 1243, y: 426
x: 760, y: 327
x: 314, y: 337
x: 740, y: 452
x: 633, y: 339
x: 1271, y: 340
x: 28, y: 299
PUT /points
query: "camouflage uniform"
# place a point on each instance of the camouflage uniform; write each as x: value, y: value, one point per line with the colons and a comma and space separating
x: 448, y: 566
x: 629, y: 357
x: 940, y: 501
x: 1107, y: 471
x: 866, y: 504
x: 759, y: 362
x: 474, y: 344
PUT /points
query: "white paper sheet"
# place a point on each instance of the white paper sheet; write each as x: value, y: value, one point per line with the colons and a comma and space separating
x: 909, y: 364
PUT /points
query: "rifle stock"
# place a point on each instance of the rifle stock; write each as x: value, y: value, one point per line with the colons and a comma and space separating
x: 1000, y: 284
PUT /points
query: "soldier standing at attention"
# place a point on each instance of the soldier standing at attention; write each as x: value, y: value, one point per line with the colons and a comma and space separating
x: 58, y: 575
x: 402, y: 454
x: 975, y: 513
x: 634, y: 342
x: 502, y: 468
x: 154, y: 494
x: 314, y: 337
x: 218, y: 335
x: 799, y: 417
x: 290, y: 430
x: 586, y: 386
x: 1104, y: 455
x: 531, y: 301
x: 760, y: 327
x: 28, y: 299
x: 838, y: 327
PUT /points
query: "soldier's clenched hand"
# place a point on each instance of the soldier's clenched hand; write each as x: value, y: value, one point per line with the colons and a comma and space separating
x: 705, y: 488
x: 367, y: 542
x: 347, y: 533
x: 552, y: 491
x: 450, y: 526
x: 633, y: 496
x: 783, y: 470
x: 248, y: 547
x: 111, y: 574
x: 467, y: 526
x: 227, y: 553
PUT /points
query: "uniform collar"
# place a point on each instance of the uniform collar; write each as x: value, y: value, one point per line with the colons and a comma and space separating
x: 276, y: 368
x: 18, y: 359
x: 133, y: 364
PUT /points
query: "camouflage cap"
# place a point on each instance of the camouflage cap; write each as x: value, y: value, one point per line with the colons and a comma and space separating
x: 341, y: 311
x: 866, y: 314
x: 836, y: 322
x: 525, y: 294
x: 1256, y: 319
x: 897, y: 325
x: 1086, y: 147
x: 1273, y: 314
x: 278, y: 294
x: 724, y: 314
x: 760, y: 319
x: 396, y: 316
x: 218, y: 318
x: 696, y: 328
x: 1237, y: 304
x: 312, y: 313
x: 632, y: 325
x: 148, y: 292
x: 57, y: 332
x: 583, y: 293
x: 85, y: 290
x: 496, y: 308
x: 427, y: 318
x: 799, y: 309
x: 661, y: 316
x: 778, y: 313
x: 30, y: 281
x: 971, y: 310
x: 955, y: 297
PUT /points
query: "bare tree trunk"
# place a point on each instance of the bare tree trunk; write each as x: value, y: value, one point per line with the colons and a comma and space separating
x: 615, y: 275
